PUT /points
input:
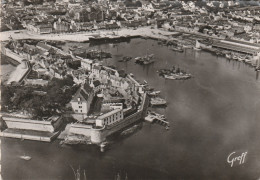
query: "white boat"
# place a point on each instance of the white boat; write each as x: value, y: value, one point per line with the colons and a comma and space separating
x: 154, y: 93
x: 158, y: 101
x: 228, y: 56
x: 198, y: 49
x: 235, y: 57
x: 27, y: 158
x: 241, y: 58
x: 131, y: 74
x: 248, y: 60
x: 169, y: 77
x: 177, y: 76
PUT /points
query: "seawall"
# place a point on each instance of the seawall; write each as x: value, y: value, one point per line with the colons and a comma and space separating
x: 23, y: 128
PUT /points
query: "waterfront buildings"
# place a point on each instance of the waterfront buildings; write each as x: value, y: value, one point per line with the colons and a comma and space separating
x: 82, y: 100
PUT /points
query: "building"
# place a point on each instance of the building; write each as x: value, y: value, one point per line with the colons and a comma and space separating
x: 238, y: 46
x: 82, y: 99
x: 110, y: 118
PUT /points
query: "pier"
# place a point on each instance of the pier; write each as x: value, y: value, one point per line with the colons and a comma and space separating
x: 157, y: 119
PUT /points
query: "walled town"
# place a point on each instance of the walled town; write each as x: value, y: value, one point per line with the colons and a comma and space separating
x: 60, y: 87
x: 75, y: 85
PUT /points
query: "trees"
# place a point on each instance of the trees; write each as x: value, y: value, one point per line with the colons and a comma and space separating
x: 27, y: 98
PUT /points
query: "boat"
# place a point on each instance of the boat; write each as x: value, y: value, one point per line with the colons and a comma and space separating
x: 125, y: 59
x: 241, y: 58
x: 186, y: 46
x: 27, y: 158
x: 228, y: 56
x: 174, y: 73
x: 130, y: 130
x: 234, y: 57
x: 157, y: 115
x: 131, y: 74
x: 156, y: 101
x: 179, y: 49
x: 177, y: 76
x: 154, y: 93
x: 148, y: 59
x: 72, y: 49
x: 198, y: 49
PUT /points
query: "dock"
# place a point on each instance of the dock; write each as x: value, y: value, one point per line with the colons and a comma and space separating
x: 157, y: 118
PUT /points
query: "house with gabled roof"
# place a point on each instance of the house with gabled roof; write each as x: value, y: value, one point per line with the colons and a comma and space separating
x: 82, y: 99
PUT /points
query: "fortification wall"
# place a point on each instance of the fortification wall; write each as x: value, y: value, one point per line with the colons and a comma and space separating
x: 27, y: 124
x: 99, y: 135
x: 81, y: 129
x: 13, y: 55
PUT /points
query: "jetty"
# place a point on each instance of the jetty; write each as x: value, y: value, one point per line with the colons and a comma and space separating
x: 153, y: 117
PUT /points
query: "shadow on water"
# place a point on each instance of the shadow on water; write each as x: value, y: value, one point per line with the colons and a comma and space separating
x: 125, y: 133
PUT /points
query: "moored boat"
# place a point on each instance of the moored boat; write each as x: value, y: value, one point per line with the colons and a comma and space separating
x: 179, y: 49
x: 158, y: 101
x: 235, y: 57
x: 177, y: 76
x: 241, y: 58
x: 154, y: 93
x: 228, y: 56
x: 148, y: 59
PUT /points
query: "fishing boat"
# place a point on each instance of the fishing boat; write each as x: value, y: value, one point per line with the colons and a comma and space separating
x: 179, y: 49
x: 125, y: 59
x: 174, y: 74
x: 156, y: 101
x: 27, y: 158
x: 177, y: 76
x: 148, y: 59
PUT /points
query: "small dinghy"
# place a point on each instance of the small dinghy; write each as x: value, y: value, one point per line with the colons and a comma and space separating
x: 27, y: 158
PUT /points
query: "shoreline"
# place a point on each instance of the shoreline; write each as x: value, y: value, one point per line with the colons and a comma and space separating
x: 145, y: 32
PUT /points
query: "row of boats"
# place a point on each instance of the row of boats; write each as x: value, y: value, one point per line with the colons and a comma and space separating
x: 238, y: 57
x: 243, y: 58
x: 155, y: 100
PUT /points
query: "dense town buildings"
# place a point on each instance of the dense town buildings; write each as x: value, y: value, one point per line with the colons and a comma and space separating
x: 216, y: 19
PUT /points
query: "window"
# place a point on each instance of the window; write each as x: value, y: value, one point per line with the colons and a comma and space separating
x: 80, y: 106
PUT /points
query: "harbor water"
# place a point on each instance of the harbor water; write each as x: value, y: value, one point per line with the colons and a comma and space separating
x: 213, y: 114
